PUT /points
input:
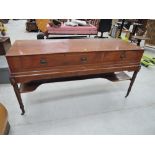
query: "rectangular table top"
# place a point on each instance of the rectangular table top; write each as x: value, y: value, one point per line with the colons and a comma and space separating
x: 35, y: 47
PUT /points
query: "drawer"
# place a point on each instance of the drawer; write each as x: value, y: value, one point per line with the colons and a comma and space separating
x: 122, y: 57
x: 133, y: 56
x: 42, y: 62
x: 54, y: 60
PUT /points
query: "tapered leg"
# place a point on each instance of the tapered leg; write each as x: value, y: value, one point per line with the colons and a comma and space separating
x: 131, y: 83
x: 17, y: 92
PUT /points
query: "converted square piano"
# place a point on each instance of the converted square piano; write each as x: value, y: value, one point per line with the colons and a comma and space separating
x: 34, y: 62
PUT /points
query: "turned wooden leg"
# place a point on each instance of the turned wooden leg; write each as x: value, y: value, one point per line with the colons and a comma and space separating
x: 17, y: 92
x: 131, y: 83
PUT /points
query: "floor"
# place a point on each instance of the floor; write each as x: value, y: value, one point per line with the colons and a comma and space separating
x: 95, y: 106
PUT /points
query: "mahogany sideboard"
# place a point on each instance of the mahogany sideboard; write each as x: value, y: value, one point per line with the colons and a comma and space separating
x: 34, y: 62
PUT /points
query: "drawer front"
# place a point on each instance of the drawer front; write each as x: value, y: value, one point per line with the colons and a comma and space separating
x: 55, y: 60
x: 123, y: 57
x: 42, y: 62
x: 133, y: 56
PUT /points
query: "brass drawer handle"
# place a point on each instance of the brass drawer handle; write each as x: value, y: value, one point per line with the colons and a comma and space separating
x: 43, y: 62
x: 123, y: 55
x: 83, y: 59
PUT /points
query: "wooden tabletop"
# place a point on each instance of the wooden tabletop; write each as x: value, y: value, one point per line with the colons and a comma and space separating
x: 33, y: 47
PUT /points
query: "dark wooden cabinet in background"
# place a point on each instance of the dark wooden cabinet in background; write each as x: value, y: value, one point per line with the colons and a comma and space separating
x: 31, y: 26
x: 5, y: 44
x: 33, y: 62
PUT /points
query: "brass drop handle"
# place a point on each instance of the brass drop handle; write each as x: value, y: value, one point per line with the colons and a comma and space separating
x: 43, y: 61
x: 83, y: 59
x: 123, y: 55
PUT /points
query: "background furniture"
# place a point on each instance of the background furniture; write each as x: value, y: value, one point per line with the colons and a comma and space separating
x: 138, y: 39
x: 5, y: 44
x: 138, y: 28
x: 151, y: 32
x: 4, y: 124
x: 104, y: 26
x: 94, y: 22
x: 31, y: 25
x: 71, y: 30
x: 70, y: 59
x: 47, y: 30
